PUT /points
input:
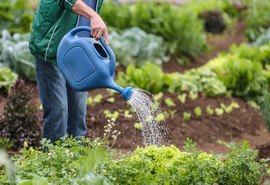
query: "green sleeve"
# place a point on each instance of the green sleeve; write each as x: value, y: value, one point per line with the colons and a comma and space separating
x: 67, y: 4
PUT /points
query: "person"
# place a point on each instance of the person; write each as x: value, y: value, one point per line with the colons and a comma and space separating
x: 64, y: 109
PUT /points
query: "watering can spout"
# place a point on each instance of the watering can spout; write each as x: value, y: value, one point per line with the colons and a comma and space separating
x: 125, y: 92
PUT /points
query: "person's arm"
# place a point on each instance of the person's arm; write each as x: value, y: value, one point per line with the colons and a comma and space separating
x: 98, y: 27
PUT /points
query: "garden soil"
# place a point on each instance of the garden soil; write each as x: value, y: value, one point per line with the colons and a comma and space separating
x: 243, y: 123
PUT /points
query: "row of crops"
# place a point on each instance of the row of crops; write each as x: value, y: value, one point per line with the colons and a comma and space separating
x: 157, y: 33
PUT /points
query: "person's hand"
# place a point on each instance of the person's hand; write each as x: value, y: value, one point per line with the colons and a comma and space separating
x: 98, y: 28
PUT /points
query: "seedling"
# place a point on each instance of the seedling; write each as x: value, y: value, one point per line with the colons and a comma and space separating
x: 158, y: 96
x: 182, y: 97
x: 186, y: 116
x: 193, y: 96
x: 92, y: 101
x: 235, y: 105
x: 228, y: 109
x: 160, y: 117
x: 127, y: 114
x: 209, y: 111
x: 198, y: 111
x: 222, y: 105
x: 108, y: 114
x: 169, y: 102
x: 219, y: 111
x: 111, y: 100
x: 172, y: 113
x: 138, y: 126
x: 149, y: 119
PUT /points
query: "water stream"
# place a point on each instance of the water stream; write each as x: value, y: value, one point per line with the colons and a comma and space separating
x: 154, y: 130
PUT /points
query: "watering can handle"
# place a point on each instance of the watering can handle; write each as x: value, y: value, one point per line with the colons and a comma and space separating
x: 76, y: 30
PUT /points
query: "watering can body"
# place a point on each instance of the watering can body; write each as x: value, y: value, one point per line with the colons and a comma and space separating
x: 86, y: 63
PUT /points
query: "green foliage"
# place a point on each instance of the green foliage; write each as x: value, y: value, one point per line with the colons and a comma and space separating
x: 168, y: 165
x: 151, y: 78
x: 6, y: 143
x: 169, y: 102
x: 192, y: 95
x: 243, y: 70
x: 7, y: 77
x: 8, y: 170
x: 264, y: 101
x: 198, y: 111
x: 108, y: 114
x: 257, y: 17
x: 209, y: 110
x: 138, y: 126
x: 14, y: 52
x: 182, y: 97
x: 68, y: 161
x: 200, y: 6
x: 186, y: 116
x: 93, y: 100
x: 240, y: 165
x: 219, y: 111
x: 263, y: 39
x: 15, y: 15
x: 134, y: 46
x: 19, y: 122
x: 180, y: 28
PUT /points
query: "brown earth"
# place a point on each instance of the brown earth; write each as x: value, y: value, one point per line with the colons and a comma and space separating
x: 243, y: 123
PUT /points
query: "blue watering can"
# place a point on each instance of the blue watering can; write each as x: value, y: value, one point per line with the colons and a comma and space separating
x: 88, y: 64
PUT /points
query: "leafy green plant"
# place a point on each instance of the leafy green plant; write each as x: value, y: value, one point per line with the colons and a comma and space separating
x: 180, y: 28
x: 151, y: 78
x: 94, y: 100
x: 182, y: 97
x: 6, y: 143
x: 16, y: 16
x: 198, y: 111
x: 7, y: 77
x: 209, y: 110
x: 243, y: 70
x: 169, y: 102
x: 257, y: 17
x: 219, y: 111
x: 8, y: 167
x: 160, y: 117
x: 20, y: 123
x: 108, y: 114
x: 68, y: 161
x: 127, y: 114
x: 158, y: 96
x: 186, y: 116
x: 192, y: 95
x: 168, y: 165
x: 15, y: 53
x: 265, y: 107
x: 144, y: 47
x: 138, y: 126
x: 111, y: 100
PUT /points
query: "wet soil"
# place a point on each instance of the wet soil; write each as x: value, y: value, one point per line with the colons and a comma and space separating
x: 243, y: 123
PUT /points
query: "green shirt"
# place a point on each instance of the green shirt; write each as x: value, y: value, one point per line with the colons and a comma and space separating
x: 53, y: 19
